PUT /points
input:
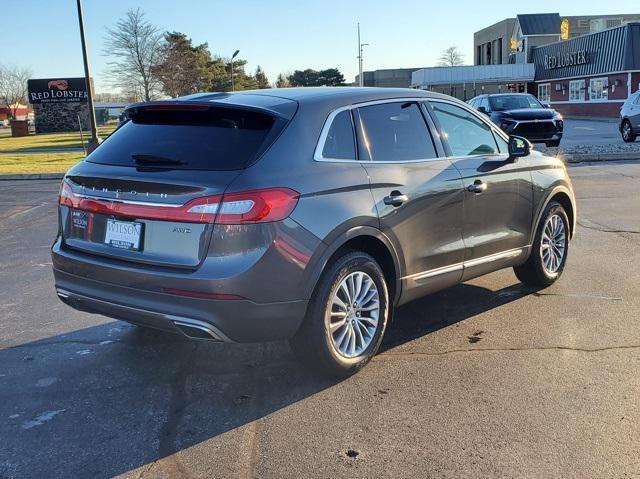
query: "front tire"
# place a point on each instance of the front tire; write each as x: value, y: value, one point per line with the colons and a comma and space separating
x: 550, y: 249
x: 346, y: 318
x: 627, y: 132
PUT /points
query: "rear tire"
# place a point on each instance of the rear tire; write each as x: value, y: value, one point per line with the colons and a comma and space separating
x: 627, y: 132
x: 337, y: 339
x: 550, y: 249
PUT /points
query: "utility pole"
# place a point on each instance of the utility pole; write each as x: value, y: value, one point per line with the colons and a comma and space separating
x: 94, y: 141
x: 360, y: 47
x: 235, y: 54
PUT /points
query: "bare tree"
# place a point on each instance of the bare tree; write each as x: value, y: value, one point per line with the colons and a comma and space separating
x: 13, y: 87
x: 451, y: 57
x: 136, y: 45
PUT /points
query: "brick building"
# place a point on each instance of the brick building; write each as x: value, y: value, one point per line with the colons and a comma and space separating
x: 580, y: 74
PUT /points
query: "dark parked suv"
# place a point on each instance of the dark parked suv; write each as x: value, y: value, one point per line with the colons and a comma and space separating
x: 306, y: 214
x: 522, y: 114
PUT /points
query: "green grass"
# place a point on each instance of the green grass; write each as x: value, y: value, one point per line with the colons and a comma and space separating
x: 44, y: 141
x: 38, y: 162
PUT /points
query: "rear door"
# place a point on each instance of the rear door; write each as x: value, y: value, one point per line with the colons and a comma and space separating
x: 498, y: 194
x: 149, y: 193
x: 417, y: 194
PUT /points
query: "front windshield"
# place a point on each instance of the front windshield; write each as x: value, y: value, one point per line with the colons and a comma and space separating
x: 513, y: 102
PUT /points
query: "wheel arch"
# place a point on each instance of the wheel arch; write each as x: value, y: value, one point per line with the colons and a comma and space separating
x: 565, y: 197
x: 368, y: 240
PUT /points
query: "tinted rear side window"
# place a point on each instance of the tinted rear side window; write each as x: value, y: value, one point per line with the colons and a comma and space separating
x: 210, y: 139
x: 340, y: 143
x: 394, y: 132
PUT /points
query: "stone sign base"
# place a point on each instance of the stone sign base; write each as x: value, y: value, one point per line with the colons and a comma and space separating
x: 60, y: 117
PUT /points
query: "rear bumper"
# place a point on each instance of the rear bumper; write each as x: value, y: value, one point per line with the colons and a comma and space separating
x: 222, y: 320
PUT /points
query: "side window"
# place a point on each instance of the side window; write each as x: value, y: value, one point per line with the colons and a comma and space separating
x: 464, y: 131
x: 473, y: 103
x: 394, y: 132
x: 503, y: 145
x: 485, y: 103
x: 340, y: 143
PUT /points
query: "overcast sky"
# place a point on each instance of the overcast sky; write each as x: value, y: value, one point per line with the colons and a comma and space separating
x: 279, y: 35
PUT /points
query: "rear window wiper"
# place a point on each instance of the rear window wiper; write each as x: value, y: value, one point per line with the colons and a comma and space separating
x: 155, y: 160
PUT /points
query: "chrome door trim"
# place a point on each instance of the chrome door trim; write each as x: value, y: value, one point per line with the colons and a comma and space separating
x: 435, y: 272
x: 511, y: 253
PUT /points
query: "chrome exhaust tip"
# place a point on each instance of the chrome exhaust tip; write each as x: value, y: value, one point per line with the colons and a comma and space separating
x: 195, y: 329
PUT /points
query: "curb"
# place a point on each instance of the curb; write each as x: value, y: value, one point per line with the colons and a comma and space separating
x: 584, y: 157
x: 33, y: 176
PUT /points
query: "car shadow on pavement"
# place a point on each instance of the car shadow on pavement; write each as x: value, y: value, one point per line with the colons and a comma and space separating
x: 112, y: 398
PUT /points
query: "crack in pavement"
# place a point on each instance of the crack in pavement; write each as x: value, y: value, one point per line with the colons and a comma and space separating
x: 605, y: 229
x: 538, y: 348
x: 167, y: 449
x: 574, y: 295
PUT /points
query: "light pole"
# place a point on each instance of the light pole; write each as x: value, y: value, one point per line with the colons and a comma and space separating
x: 235, y: 54
x: 94, y: 141
x: 360, y: 47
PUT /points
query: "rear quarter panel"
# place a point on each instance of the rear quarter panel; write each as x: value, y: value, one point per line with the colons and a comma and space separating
x: 335, y: 197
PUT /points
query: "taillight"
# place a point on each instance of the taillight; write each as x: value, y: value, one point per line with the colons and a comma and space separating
x: 258, y: 206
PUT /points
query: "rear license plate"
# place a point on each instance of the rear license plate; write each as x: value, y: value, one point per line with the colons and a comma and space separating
x: 123, y: 234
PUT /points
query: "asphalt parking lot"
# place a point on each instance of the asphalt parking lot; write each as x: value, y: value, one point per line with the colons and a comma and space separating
x: 483, y: 380
x: 591, y: 132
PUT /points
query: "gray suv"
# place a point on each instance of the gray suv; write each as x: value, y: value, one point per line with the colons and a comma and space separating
x: 303, y: 214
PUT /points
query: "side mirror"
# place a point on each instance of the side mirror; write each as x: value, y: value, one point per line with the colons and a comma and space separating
x: 518, y: 147
x: 482, y: 109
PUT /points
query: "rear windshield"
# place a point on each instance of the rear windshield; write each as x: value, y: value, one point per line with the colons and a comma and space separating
x: 208, y: 139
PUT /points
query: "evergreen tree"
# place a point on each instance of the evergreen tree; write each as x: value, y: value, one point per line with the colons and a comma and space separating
x: 184, y: 69
x: 261, y: 78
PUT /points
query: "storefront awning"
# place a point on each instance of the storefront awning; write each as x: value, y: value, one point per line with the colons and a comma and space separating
x: 509, y: 73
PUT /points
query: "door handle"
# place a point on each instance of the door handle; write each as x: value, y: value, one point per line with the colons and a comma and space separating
x: 395, y: 199
x: 477, y: 187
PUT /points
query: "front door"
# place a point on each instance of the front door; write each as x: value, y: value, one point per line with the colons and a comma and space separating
x: 417, y: 194
x: 498, y: 194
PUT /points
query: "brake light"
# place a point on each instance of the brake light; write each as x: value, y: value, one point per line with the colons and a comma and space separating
x: 257, y: 206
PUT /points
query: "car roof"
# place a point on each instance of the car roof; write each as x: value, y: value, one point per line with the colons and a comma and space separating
x: 285, y: 101
x: 313, y: 94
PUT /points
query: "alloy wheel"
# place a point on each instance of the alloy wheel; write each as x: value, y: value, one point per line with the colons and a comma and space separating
x: 352, y: 320
x: 626, y: 131
x: 553, y: 244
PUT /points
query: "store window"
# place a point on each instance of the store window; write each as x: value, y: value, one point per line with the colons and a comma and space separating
x: 544, y: 94
x: 576, y: 90
x: 598, y: 89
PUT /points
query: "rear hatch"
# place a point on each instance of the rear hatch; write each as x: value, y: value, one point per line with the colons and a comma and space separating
x: 150, y: 192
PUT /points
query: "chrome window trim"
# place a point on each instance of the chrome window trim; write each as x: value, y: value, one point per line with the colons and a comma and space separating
x: 317, y: 155
x: 511, y: 253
